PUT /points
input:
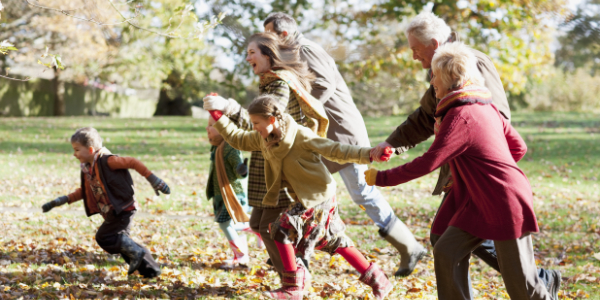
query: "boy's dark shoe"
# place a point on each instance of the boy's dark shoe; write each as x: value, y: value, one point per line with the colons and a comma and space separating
x: 54, y: 203
x: 553, y: 283
x: 148, y: 268
x: 133, y: 251
x: 158, y: 185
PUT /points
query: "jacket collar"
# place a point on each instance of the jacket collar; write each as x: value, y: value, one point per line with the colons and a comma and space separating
x: 466, y: 94
x: 89, y: 168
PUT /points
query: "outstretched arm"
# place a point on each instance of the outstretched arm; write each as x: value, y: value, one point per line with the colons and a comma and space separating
x: 451, y: 141
x: 237, y: 138
x: 73, y: 197
x: 337, y: 152
x: 123, y: 162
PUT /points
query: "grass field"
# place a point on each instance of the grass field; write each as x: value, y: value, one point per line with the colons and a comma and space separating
x: 54, y: 255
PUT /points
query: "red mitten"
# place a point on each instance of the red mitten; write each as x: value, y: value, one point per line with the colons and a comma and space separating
x: 387, y: 154
x: 216, y: 114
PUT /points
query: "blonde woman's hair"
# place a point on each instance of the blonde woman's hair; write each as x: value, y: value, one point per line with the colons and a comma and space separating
x: 267, y: 106
x: 456, y: 64
x: 284, y: 54
x: 426, y: 26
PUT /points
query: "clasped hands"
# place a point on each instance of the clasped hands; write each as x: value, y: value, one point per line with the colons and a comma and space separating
x: 380, y: 153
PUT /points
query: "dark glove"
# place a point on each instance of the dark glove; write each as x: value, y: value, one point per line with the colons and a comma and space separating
x: 54, y: 203
x: 242, y: 169
x: 158, y: 185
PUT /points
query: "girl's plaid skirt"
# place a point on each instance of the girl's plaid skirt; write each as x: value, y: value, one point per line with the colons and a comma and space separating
x: 319, y: 228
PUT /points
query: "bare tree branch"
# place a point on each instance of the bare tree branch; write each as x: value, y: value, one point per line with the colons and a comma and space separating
x: 146, y: 29
x: 15, y: 79
x: 67, y: 12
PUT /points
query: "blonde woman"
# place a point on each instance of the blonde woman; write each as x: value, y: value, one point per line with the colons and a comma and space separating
x: 490, y: 198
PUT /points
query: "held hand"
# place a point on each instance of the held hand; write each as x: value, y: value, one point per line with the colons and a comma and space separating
x: 242, y: 169
x: 215, y: 102
x: 387, y: 154
x: 54, y: 203
x: 378, y: 151
x: 371, y: 176
x: 158, y: 185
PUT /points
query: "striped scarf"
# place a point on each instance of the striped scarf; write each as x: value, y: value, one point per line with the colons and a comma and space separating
x: 309, y: 105
x: 466, y: 94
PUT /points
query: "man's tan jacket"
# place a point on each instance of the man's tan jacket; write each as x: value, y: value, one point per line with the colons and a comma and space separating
x: 346, y: 124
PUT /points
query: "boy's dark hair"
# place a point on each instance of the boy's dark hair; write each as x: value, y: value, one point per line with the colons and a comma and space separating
x: 281, y: 22
x: 87, y: 137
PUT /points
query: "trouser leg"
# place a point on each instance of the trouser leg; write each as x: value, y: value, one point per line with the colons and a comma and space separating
x: 113, y: 226
x: 451, y: 255
x: 379, y: 210
x: 259, y: 222
x: 369, y: 197
x: 517, y: 265
x: 108, y: 238
x: 487, y: 252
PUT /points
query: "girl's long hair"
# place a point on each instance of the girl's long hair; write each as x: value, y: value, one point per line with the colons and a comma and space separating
x: 284, y: 54
x: 267, y: 106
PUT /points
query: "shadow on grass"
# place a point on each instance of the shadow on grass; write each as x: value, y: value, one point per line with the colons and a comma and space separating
x: 99, y: 283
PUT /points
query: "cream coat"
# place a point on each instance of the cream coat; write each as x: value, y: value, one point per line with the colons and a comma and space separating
x: 298, y: 157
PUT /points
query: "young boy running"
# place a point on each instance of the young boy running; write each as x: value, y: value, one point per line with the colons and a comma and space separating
x: 107, y: 189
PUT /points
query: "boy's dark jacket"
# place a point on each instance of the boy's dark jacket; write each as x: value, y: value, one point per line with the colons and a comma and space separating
x: 118, y: 186
x: 117, y: 183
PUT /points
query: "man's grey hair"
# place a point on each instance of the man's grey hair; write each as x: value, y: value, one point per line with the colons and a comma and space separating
x: 87, y: 137
x: 281, y: 22
x: 426, y: 26
x: 456, y: 64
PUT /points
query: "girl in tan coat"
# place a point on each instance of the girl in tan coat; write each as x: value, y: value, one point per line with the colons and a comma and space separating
x: 293, y: 159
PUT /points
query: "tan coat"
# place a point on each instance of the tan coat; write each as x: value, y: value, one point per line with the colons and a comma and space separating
x: 297, y: 158
x: 418, y: 127
x: 346, y: 124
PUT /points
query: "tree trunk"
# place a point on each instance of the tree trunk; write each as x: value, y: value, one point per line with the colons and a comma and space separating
x: 171, y: 101
x: 59, y: 94
x: 172, y: 107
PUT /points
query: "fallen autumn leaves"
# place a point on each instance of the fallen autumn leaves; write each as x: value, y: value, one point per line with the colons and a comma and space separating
x: 54, y: 255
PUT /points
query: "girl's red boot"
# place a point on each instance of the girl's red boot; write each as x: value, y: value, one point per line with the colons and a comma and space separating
x: 293, y: 285
x: 376, y: 279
